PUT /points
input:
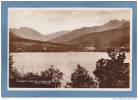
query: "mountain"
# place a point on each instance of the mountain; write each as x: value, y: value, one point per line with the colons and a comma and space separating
x: 113, y: 24
x: 113, y: 34
x: 114, y: 38
x: 15, y: 38
x: 16, y: 42
x: 27, y: 33
x: 64, y: 36
x: 54, y: 35
x: 19, y: 44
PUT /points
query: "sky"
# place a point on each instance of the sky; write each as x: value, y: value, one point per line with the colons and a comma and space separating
x: 50, y: 20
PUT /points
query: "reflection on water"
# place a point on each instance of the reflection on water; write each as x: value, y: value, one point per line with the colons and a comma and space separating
x: 65, y: 62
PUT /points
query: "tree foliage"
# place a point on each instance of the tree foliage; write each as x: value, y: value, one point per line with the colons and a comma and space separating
x: 81, y: 79
x: 53, y: 75
x: 113, y: 72
x: 13, y: 73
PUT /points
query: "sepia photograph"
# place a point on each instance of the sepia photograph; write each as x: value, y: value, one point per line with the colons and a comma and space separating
x: 69, y: 48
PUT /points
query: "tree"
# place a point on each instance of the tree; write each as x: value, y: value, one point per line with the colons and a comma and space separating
x: 113, y: 72
x: 53, y: 75
x: 81, y: 79
x: 13, y: 73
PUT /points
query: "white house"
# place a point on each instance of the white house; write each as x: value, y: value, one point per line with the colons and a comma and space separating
x: 89, y: 49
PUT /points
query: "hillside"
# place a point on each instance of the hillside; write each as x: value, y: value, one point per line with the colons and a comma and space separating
x: 29, y: 33
x: 19, y: 44
x: 54, y: 35
x: 113, y: 24
x: 114, y: 38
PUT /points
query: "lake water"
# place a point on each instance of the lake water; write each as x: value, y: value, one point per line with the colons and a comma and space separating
x: 65, y: 61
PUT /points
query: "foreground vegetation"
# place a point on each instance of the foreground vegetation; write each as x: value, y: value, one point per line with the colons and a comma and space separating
x: 113, y: 72
x: 109, y: 73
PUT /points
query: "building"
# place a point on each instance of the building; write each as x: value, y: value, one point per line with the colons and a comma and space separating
x: 89, y: 49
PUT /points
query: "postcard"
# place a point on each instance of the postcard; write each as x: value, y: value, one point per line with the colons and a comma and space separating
x: 69, y: 49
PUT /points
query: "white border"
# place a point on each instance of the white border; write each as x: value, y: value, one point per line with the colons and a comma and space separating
x: 67, y: 8
x: 74, y: 89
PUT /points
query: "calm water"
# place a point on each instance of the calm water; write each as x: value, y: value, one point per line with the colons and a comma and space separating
x: 65, y: 62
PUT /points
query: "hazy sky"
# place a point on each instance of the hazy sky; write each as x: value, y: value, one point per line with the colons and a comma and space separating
x: 49, y: 20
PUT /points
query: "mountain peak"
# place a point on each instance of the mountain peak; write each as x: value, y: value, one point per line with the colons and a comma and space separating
x: 114, y: 22
x: 26, y: 32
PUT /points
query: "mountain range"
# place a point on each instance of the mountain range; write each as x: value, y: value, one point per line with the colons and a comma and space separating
x: 113, y: 34
x: 113, y: 24
x: 29, y: 33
